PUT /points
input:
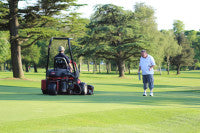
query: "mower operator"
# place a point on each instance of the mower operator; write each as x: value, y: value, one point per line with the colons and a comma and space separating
x: 147, y: 63
x: 61, y: 51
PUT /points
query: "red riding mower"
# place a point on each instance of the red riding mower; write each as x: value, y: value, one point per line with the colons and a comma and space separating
x: 61, y: 80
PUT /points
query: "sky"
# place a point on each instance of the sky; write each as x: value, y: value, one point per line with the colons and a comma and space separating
x: 166, y: 11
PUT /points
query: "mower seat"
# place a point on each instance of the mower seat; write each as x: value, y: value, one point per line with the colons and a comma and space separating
x: 61, y: 63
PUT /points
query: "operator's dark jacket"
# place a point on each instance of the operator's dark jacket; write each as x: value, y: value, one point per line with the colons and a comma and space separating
x: 63, y: 55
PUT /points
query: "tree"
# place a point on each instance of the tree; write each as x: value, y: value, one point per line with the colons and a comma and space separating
x: 4, y: 47
x: 4, y: 14
x: 194, y: 40
x: 32, y: 20
x: 187, y: 53
x: 31, y: 56
x: 178, y: 27
x: 115, y: 34
x: 171, y: 47
x: 186, y: 56
x: 157, y: 50
x: 14, y: 40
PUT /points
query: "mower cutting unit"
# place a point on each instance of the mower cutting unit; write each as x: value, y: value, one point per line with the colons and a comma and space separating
x: 61, y: 80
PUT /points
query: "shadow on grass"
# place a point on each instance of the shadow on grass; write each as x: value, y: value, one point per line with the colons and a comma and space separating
x: 138, y: 85
x: 164, y: 98
x: 191, y: 72
x: 189, y: 77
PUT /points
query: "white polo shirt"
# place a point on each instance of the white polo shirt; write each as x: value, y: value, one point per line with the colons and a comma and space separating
x: 146, y: 63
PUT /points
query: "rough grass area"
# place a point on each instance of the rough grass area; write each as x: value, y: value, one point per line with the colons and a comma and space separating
x: 117, y: 106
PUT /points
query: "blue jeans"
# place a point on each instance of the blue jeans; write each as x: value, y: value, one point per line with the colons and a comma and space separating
x: 148, y: 79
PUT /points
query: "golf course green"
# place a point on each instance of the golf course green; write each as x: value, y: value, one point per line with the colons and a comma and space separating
x: 116, y: 107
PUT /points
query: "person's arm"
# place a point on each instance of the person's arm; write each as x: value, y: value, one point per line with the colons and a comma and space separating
x: 139, y: 66
x: 69, y: 63
x: 151, y: 67
x: 152, y: 63
x: 139, y: 69
x: 70, y: 66
x: 67, y: 59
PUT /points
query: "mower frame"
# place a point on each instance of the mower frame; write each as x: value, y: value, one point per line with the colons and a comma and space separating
x: 70, y: 51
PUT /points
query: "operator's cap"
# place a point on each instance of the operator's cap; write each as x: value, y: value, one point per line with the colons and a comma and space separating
x: 61, y: 48
x: 143, y: 51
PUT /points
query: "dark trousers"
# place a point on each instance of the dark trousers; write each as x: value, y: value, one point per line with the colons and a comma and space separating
x: 148, y: 79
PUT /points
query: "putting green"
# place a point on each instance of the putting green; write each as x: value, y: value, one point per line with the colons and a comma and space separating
x: 117, y: 106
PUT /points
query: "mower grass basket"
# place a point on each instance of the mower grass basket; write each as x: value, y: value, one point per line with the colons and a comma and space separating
x: 61, y: 80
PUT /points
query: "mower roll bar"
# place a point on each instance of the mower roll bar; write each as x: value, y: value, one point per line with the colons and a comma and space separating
x: 69, y: 45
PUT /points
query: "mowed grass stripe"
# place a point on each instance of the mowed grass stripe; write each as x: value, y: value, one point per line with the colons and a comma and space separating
x: 175, y: 119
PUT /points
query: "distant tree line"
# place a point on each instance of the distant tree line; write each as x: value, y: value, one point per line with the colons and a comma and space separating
x: 112, y: 35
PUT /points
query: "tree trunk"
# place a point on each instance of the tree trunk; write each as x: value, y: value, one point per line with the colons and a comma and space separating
x: 9, y: 66
x: 125, y: 68
x: 107, y: 67
x: 26, y: 66
x: 1, y: 67
x: 79, y: 65
x: 15, y: 47
x: 116, y: 68
x: 35, y: 68
x: 93, y: 66
x: 100, y: 67
x: 5, y: 66
x: 129, y: 68
x: 168, y: 65
x: 178, y: 69
x: 88, y: 65
x: 168, y: 68
x: 120, y: 64
x: 160, y: 69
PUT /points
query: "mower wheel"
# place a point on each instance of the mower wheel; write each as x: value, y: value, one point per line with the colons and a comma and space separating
x: 83, y: 88
x: 52, y: 89
x: 44, y: 91
x: 70, y: 92
x: 90, y: 89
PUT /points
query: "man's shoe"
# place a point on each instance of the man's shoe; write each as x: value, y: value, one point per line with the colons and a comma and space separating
x: 151, y: 93
x: 144, y: 94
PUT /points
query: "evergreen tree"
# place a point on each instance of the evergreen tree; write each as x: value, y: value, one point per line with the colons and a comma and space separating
x: 117, y: 34
x: 186, y: 58
x: 171, y: 47
x: 4, y: 47
x: 194, y: 40
x: 31, y: 56
x: 28, y: 25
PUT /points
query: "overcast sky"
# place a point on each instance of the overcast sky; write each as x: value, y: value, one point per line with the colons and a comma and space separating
x: 166, y: 11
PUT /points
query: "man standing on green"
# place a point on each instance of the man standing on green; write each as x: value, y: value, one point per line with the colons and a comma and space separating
x: 146, y: 65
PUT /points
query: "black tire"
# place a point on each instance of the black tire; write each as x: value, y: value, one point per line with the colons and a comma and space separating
x: 83, y: 88
x: 69, y: 92
x: 44, y: 92
x: 90, y: 92
x: 90, y: 89
x: 52, y: 89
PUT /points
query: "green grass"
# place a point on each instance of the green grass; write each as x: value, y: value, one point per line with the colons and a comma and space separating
x: 117, y: 106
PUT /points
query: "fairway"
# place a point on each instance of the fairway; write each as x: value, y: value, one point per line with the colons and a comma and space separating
x: 116, y: 106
